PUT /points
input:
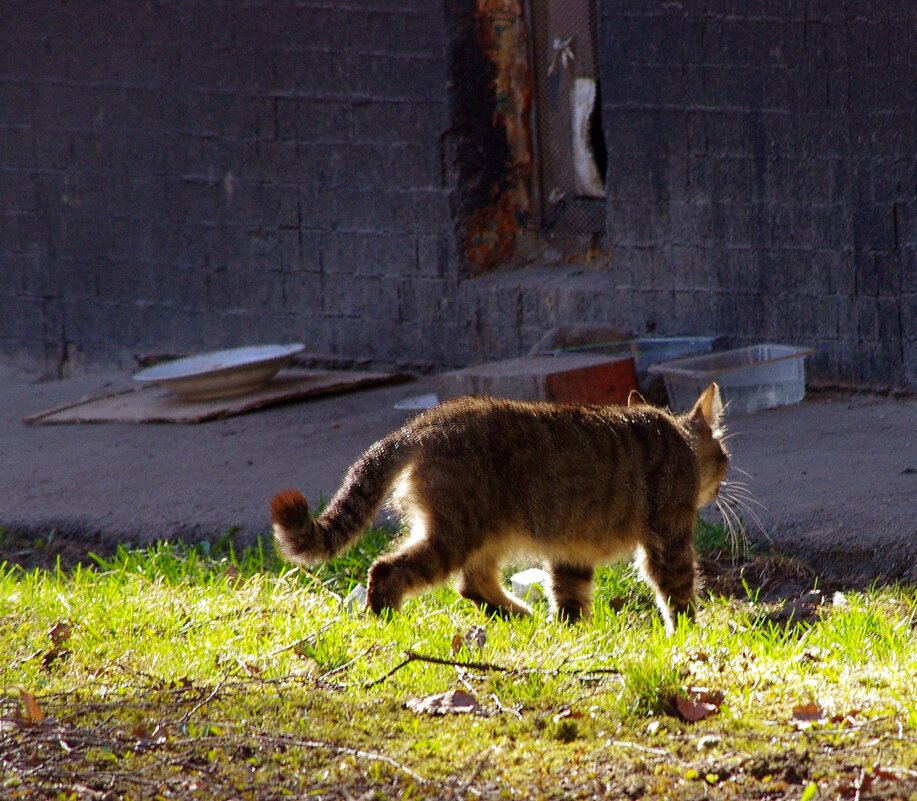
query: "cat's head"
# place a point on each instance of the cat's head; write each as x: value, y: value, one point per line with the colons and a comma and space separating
x: 704, y: 424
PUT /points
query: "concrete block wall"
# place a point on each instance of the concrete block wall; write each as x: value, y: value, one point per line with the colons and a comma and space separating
x: 762, y: 175
x: 195, y: 174
x: 176, y: 176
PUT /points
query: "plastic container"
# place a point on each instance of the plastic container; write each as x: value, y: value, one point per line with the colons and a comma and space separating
x: 752, y: 378
x: 648, y: 351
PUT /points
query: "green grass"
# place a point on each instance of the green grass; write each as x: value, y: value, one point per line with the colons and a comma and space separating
x: 200, y: 672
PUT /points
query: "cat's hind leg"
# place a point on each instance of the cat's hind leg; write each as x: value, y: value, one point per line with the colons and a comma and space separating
x: 570, y: 590
x: 431, y: 553
x: 480, y: 582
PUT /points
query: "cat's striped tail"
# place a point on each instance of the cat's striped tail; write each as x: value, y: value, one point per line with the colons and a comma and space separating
x: 304, y: 540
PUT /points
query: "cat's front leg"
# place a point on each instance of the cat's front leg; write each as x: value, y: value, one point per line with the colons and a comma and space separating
x: 570, y: 591
x: 669, y: 567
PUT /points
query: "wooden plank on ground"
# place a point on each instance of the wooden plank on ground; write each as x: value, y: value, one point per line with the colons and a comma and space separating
x: 157, y: 405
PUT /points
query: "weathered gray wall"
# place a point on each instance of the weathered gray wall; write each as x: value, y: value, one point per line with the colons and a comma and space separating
x: 181, y: 175
x: 763, y: 171
x: 191, y: 174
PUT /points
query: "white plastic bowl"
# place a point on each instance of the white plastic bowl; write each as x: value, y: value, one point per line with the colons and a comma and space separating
x: 221, y: 373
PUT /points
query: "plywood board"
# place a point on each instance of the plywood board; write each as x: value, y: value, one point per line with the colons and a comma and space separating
x: 157, y: 405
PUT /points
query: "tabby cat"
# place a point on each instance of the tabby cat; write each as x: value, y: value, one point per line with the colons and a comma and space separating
x: 480, y: 480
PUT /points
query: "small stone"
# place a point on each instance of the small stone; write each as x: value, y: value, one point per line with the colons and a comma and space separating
x: 707, y: 741
x: 529, y: 584
x: 356, y: 599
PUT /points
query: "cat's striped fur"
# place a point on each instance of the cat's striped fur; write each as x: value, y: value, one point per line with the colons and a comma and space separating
x: 480, y: 480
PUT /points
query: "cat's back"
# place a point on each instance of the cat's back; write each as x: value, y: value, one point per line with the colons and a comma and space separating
x: 475, y: 423
x: 543, y: 467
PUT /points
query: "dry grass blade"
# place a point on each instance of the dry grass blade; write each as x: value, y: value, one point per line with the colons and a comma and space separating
x: 340, y: 750
x: 486, y: 667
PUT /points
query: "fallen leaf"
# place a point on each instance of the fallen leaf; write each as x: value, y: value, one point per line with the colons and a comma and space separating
x: 808, y: 712
x: 864, y: 780
x: 59, y: 633
x: 616, y: 604
x: 452, y: 702
x: 693, y: 711
x: 30, y: 713
x: 804, y: 715
x: 699, y: 703
x: 846, y: 721
x: 50, y: 657
x: 157, y: 736
x: 883, y: 773
x: 475, y: 637
x: 804, y: 609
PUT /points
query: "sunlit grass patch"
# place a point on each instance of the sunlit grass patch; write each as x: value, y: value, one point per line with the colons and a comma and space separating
x: 174, y: 665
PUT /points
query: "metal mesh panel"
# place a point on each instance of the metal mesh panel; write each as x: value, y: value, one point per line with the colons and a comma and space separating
x: 564, y: 35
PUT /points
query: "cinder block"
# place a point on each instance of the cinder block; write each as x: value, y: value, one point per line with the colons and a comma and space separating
x: 569, y: 378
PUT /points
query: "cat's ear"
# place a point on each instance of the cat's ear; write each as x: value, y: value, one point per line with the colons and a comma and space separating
x: 634, y: 398
x: 708, y: 411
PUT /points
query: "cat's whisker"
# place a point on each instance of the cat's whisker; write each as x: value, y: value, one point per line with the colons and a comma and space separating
x: 741, y: 505
x: 736, y: 542
x: 737, y: 529
x: 748, y: 501
x: 743, y: 535
x: 746, y: 495
x: 738, y: 489
x: 737, y: 505
x: 727, y: 520
x: 727, y: 523
x: 738, y: 538
x: 737, y: 484
x: 743, y: 472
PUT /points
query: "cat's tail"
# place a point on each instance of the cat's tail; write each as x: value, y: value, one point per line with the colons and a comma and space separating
x: 303, y: 539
